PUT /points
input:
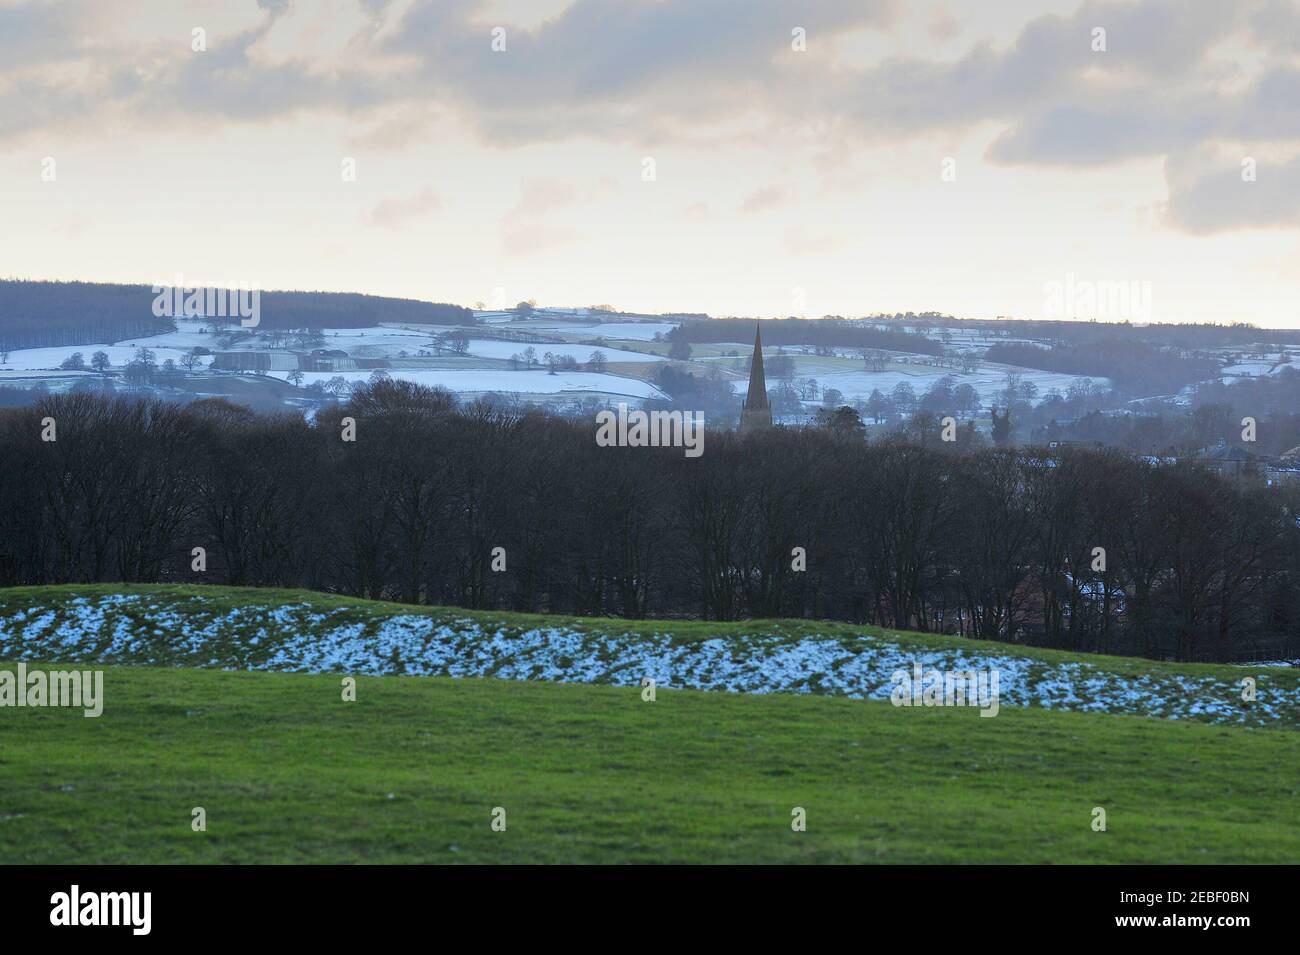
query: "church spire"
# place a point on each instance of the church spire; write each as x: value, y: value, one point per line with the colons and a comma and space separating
x: 757, y: 413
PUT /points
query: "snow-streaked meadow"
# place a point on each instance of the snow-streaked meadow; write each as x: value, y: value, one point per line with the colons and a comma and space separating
x: 495, y: 348
x: 500, y: 380
x: 301, y: 637
x: 989, y: 381
x: 381, y: 342
x: 632, y: 331
x: 1254, y: 368
x: 624, y: 331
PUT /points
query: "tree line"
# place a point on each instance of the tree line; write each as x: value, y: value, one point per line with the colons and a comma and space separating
x: 51, y: 314
x: 1135, y: 368
x: 1214, y: 414
x: 1183, y: 335
x: 1087, y: 550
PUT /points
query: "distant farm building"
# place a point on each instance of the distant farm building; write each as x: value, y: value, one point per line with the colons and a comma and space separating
x: 255, y: 361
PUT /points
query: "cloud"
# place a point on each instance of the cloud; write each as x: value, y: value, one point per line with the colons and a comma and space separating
x: 605, y: 68
x: 540, y: 197
x: 40, y: 32
x: 1177, y: 76
x: 396, y: 212
x: 647, y: 70
x: 943, y: 26
x: 535, y: 222
x: 696, y: 212
x: 1080, y: 135
x: 801, y: 241
x: 536, y: 237
x: 766, y: 198
x: 1209, y: 193
x: 633, y: 55
x: 395, y: 128
x: 1277, y: 25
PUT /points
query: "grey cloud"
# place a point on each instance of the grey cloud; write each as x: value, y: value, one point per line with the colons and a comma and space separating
x: 652, y: 71
x: 224, y: 82
x: 537, y: 238
x: 396, y: 212
x: 647, y: 69
x: 766, y: 198
x: 607, y: 49
x: 539, y: 197
x: 696, y: 212
x: 605, y: 66
x: 943, y: 26
x: 126, y: 81
x: 1150, y: 46
x: 1208, y: 197
x: 1088, y: 135
x: 1276, y: 24
x: 801, y: 241
x: 43, y: 32
x: 1120, y: 125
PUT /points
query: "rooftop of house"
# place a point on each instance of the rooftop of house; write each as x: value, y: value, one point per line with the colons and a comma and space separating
x: 1225, y: 452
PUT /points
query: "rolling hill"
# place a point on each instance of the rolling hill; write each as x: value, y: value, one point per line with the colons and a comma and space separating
x: 588, y: 770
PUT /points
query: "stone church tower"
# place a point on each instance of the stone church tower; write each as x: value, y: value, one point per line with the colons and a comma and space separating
x: 757, y: 413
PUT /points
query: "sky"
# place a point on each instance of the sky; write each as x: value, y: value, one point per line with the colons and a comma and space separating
x: 736, y: 157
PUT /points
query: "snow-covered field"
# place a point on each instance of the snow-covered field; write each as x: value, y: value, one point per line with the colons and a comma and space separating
x: 494, y: 348
x: 632, y: 331
x: 174, y: 345
x: 1255, y: 367
x: 628, y: 331
x: 28, y: 379
x: 480, y: 380
x: 988, y: 381
x: 188, y: 334
x: 858, y: 383
x: 29, y: 366
x: 148, y: 629
x: 374, y: 342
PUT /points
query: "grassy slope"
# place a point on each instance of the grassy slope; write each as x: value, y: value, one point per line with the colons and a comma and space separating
x: 184, y: 598
x: 235, y: 647
x: 411, y: 771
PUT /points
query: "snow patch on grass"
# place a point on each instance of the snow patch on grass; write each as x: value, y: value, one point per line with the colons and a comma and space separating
x: 302, y: 638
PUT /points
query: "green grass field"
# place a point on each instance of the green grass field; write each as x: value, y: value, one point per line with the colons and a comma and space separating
x: 411, y: 772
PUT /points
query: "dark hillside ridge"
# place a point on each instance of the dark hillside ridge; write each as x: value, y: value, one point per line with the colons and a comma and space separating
x: 51, y: 314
